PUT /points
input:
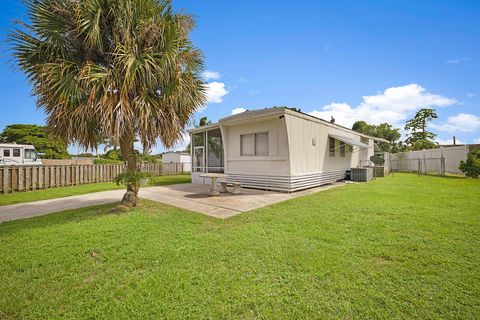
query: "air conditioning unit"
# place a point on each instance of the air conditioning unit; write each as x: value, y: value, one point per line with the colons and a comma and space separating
x: 361, y: 174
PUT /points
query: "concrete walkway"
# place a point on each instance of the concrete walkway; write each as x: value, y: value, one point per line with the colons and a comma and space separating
x: 187, y: 196
x: 43, y: 207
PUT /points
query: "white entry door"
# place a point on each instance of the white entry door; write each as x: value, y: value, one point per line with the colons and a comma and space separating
x: 198, y: 159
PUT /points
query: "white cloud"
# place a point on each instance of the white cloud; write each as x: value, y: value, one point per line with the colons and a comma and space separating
x: 448, y: 141
x: 343, y: 113
x: 453, y: 61
x: 457, y: 60
x: 238, y: 110
x: 477, y: 140
x: 215, y: 92
x: 462, y: 122
x: 393, y: 105
x: 471, y: 95
x: 210, y: 75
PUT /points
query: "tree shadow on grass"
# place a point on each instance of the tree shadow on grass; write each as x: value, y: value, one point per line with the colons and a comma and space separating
x: 62, y: 217
x: 87, y: 213
x: 168, y: 180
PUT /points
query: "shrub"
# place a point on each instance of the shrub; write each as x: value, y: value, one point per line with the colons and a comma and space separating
x: 148, y: 159
x: 134, y: 179
x: 471, y: 167
x: 113, y: 155
x: 106, y: 161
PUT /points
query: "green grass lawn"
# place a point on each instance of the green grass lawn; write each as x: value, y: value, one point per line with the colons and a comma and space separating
x: 20, y: 197
x: 395, y: 248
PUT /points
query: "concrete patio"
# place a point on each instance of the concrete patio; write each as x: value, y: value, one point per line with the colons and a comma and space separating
x: 194, y: 197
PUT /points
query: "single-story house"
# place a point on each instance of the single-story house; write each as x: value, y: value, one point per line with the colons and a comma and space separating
x: 278, y: 149
x: 178, y: 157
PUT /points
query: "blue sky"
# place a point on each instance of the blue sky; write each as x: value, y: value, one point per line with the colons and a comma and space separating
x: 356, y: 60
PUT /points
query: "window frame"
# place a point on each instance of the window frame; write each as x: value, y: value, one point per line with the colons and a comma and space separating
x: 19, y: 153
x: 254, y: 140
x: 30, y: 152
x: 342, y: 149
x: 242, y: 153
x: 7, y: 153
x: 331, y: 151
x: 265, y: 133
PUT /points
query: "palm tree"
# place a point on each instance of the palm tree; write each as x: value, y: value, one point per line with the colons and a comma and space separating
x: 111, y: 69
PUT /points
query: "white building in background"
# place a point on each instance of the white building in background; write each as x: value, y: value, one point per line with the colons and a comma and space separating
x: 278, y: 149
x: 178, y: 157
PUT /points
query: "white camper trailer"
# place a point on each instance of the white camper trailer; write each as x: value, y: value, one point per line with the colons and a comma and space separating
x: 12, y: 154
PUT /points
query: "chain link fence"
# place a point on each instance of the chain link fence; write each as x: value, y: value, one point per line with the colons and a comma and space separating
x: 422, y: 165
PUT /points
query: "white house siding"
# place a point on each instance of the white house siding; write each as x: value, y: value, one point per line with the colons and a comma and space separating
x: 310, y: 162
x: 276, y: 163
x: 307, y: 158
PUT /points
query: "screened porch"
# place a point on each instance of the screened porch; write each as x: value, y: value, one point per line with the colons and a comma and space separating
x: 207, y: 151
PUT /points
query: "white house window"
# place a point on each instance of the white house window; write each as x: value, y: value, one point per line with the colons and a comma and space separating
x: 247, y: 145
x: 16, y: 153
x: 6, y: 153
x: 261, y: 144
x: 342, y: 149
x: 254, y: 144
x: 331, y: 146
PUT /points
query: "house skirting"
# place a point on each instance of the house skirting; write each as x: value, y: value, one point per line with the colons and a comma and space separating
x: 287, y: 183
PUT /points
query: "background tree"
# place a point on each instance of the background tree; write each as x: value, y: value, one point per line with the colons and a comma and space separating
x: 363, y: 127
x: 52, y: 146
x: 204, y: 121
x: 471, y: 167
x: 383, y: 130
x: 112, y: 69
x: 419, y: 137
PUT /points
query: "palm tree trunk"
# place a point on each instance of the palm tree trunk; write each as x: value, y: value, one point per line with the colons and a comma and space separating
x: 130, y: 198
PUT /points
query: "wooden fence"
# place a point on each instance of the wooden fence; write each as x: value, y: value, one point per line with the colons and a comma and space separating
x: 27, y: 178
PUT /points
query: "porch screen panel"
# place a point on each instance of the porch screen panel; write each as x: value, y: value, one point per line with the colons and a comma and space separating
x: 199, y: 139
x: 215, y: 151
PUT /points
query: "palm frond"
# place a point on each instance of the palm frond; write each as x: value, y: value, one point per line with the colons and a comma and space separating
x: 111, y: 69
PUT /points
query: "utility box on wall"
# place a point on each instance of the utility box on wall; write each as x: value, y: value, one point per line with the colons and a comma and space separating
x: 361, y: 174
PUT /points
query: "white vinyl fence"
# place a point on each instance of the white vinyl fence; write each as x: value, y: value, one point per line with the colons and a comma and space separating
x: 441, y: 160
